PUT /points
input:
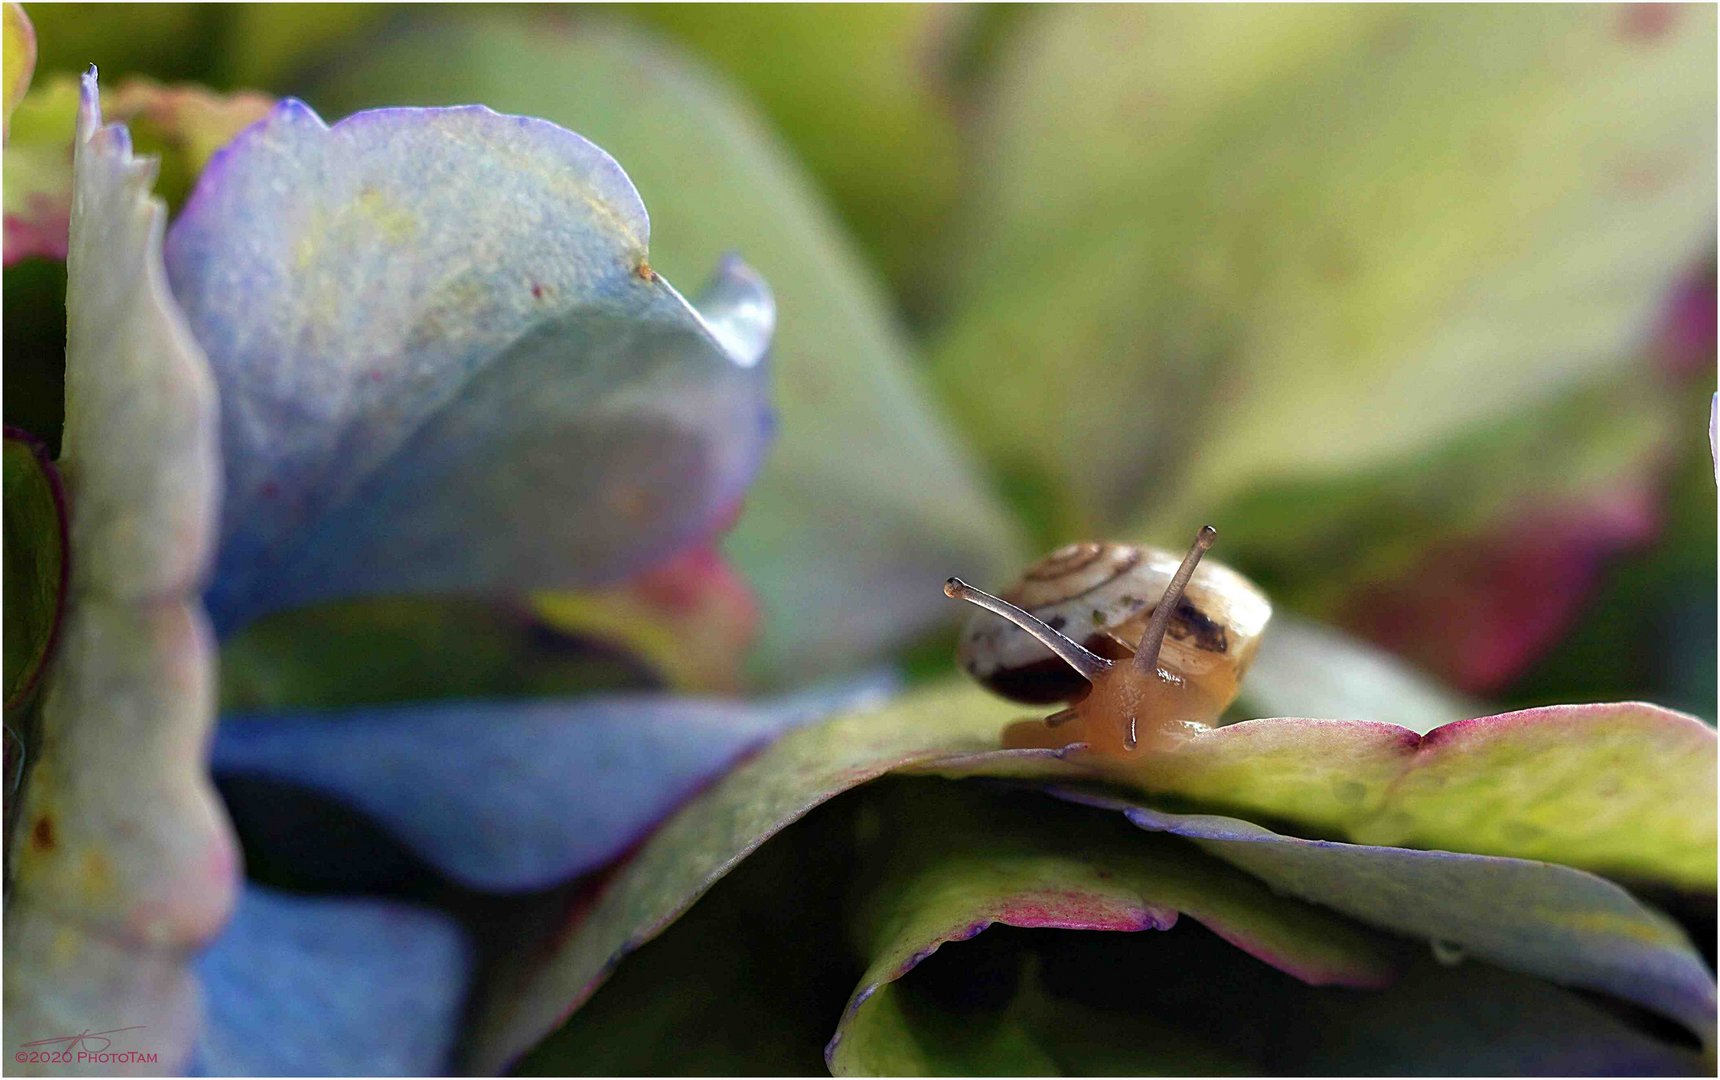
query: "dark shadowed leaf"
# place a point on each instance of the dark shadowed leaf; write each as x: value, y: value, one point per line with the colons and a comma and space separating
x: 382, y: 650
x: 1551, y: 921
x: 35, y: 563
x: 956, y: 862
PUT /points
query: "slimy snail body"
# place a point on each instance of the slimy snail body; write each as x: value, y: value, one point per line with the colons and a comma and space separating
x: 1145, y: 651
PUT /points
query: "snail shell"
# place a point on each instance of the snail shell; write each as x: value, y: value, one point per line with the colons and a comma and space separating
x: 1102, y: 596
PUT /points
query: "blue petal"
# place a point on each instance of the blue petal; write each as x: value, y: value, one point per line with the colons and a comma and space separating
x: 301, y: 986
x: 509, y: 796
x: 1555, y: 922
x: 445, y: 363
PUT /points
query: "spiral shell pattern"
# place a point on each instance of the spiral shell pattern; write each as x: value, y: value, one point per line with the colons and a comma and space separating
x: 1102, y: 595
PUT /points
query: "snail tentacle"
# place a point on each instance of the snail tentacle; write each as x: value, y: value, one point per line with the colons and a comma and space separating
x: 1086, y: 663
x: 1147, y: 654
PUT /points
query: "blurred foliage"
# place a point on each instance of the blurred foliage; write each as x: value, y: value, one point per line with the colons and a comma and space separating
x: 891, y: 104
x: 1001, y: 201
x: 20, y: 56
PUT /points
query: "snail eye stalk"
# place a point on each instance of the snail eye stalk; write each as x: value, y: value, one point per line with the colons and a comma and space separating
x: 1089, y: 665
x: 1153, y: 638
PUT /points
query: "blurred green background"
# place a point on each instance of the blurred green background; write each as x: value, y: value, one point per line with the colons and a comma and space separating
x: 1415, y: 304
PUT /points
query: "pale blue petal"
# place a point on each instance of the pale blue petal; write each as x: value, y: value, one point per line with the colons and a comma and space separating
x: 519, y: 795
x: 311, y: 986
x: 445, y: 363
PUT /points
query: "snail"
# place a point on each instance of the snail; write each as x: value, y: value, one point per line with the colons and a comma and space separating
x: 1139, y: 674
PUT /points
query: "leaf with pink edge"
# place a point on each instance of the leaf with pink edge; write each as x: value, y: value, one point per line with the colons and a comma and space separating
x: 1623, y: 789
x: 752, y: 979
x: 123, y: 860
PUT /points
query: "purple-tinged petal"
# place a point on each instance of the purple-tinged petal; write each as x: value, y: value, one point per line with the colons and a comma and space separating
x: 309, y: 986
x: 512, y: 796
x: 446, y: 364
x: 1684, y: 342
x: 1555, y: 922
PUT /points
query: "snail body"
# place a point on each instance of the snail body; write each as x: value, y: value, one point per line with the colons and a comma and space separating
x: 1144, y: 648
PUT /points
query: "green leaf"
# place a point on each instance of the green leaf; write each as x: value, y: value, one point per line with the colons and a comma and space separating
x: 843, y: 546
x: 1289, y: 245
x: 1625, y: 789
x: 959, y: 862
x: 750, y: 981
x: 1186, y: 1003
x: 36, y: 563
